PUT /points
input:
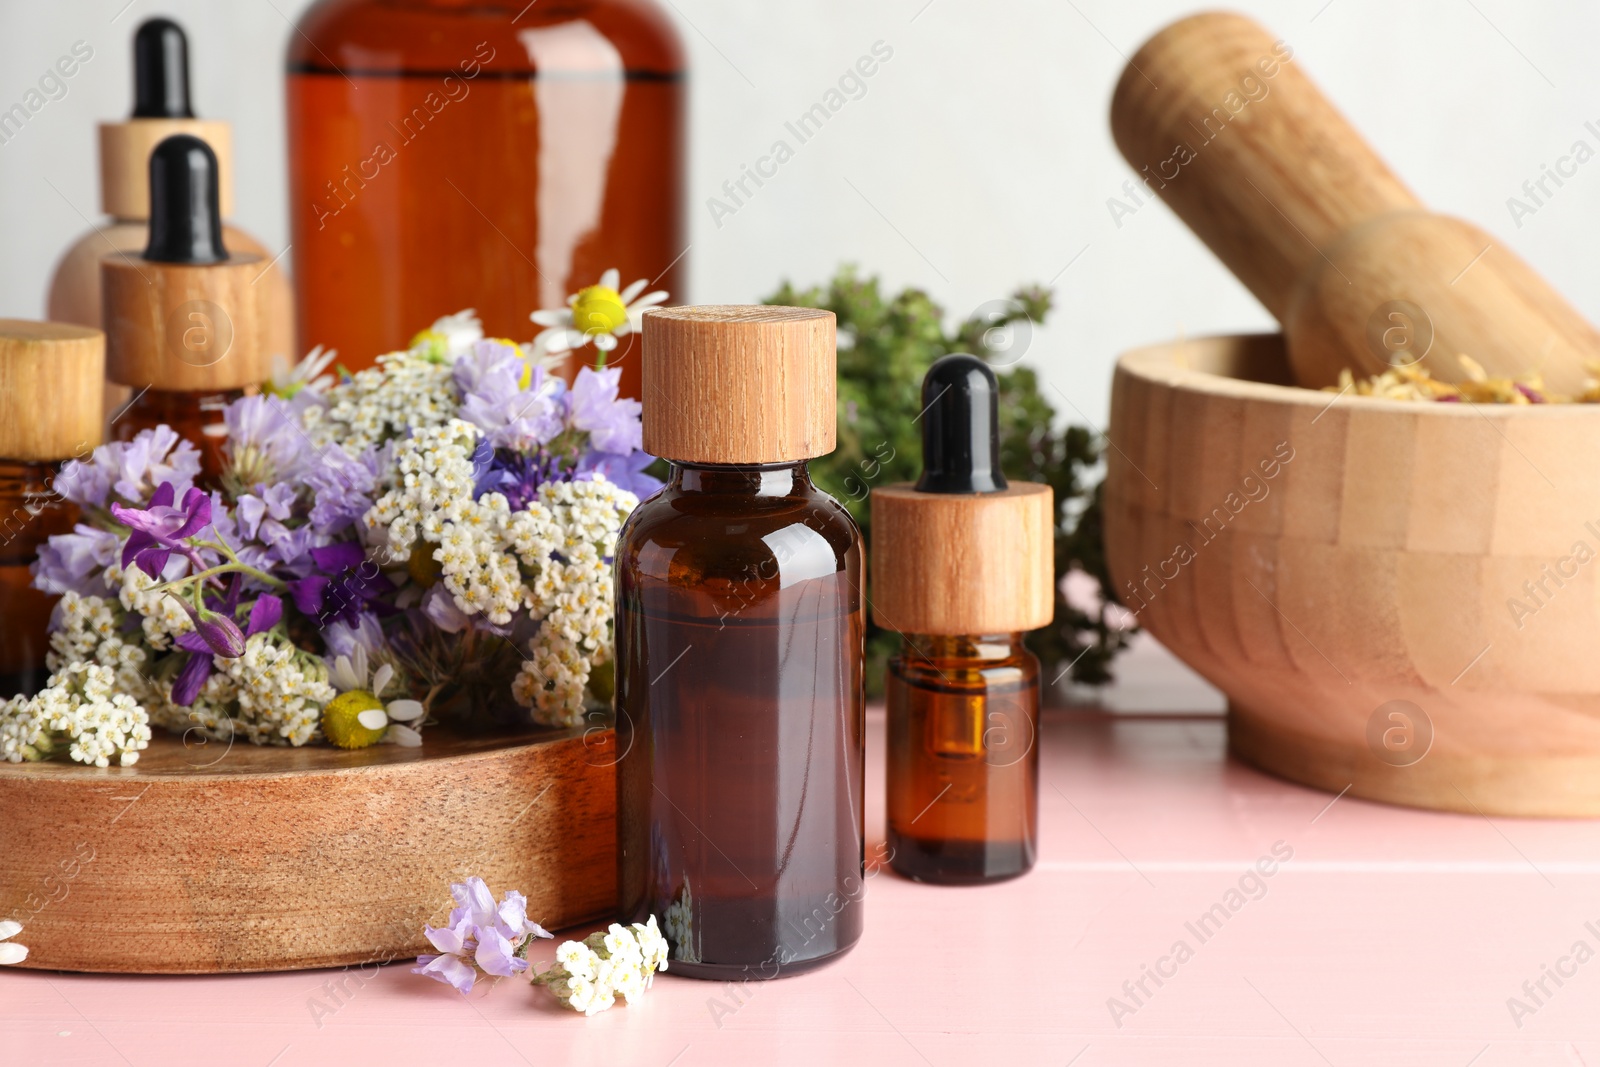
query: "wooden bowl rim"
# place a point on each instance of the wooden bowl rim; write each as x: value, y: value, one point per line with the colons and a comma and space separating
x: 1157, y: 363
x: 448, y: 747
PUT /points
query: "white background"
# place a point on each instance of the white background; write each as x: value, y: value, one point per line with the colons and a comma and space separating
x: 979, y: 158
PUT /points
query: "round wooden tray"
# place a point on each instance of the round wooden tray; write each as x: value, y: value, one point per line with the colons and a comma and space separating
x: 207, y: 858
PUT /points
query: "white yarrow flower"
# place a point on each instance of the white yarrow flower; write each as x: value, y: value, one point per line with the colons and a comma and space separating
x: 589, y: 975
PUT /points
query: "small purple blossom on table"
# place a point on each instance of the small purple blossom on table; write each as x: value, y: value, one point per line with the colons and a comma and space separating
x: 481, y: 937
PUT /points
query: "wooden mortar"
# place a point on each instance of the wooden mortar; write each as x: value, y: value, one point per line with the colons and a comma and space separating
x: 1399, y: 599
x: 1221, y: 123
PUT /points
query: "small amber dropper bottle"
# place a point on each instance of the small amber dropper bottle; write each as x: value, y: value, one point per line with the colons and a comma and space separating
x: 739, y: 628
x: 961, y: 566
x: 161, y: 108
x: 50, y: 382
x: 185, y: 322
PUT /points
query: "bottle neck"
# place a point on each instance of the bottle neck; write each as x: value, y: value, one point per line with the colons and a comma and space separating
x: 759, y: 480
x: 945, y: 648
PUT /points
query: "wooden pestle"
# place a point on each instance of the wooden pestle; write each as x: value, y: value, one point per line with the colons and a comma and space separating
x: 1218, y: 119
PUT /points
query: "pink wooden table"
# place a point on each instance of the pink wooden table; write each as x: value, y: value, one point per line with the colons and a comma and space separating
x: 1389, y: 937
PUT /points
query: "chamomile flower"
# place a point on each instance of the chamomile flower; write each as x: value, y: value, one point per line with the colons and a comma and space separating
x: 358, y: 717
x: 450, y: 337
x: 598, y: 313
x: 305, y: 376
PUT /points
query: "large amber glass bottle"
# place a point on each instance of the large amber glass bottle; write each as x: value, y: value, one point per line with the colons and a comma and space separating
x: 739, y: 655
x: 492, y: 154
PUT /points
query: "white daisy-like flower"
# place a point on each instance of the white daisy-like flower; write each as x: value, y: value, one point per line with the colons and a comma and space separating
x: 598, y: 313
x: 308, y: 375
x: 10, y: 951
x: 350, y: 677
x: 451, y: 336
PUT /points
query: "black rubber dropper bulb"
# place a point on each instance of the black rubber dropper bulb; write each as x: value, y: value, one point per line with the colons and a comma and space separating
x: 960, y: 428
x: 161, y: 71
x: 185, y: 220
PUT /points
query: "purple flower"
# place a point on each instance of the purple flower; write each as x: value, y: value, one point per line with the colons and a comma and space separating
x: 220, y: 633
x: 517, y: 476
x: 265, y: 519
x: 485, y: 476
x: 86, y: 483
x: 481, y: 937
x: 624, y: 472
x: 265, y: 441
x: 343, y: 638
x: 131, y: 469
x: 490, y: 368
x: 496, y: 954
x: 161, y: 528
x: 76, y: 561
x: 593, y: 406
x: 274, y: 505
x: 342, y: 488
x: 343, y: 585
x: 447, y: 968
x: 493, y: 399
x: 264, y: 615
x: 440, y: 608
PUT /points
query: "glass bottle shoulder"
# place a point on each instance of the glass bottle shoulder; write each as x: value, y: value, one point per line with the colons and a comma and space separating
x: 509, y: 36
x: 686, y: 538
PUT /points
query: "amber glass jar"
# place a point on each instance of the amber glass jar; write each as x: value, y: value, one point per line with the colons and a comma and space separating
x: 51, y: 377
x: 491, y: 154
x: 30, y: 513
x: 963, y: 758
x: 740, y: 720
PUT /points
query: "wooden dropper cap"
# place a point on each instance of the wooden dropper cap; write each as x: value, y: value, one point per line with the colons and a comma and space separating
x: 51, y: 377
x: 186, y: 316
x: 962, y: 551
x: 739, y: 384
x: 161, y: 109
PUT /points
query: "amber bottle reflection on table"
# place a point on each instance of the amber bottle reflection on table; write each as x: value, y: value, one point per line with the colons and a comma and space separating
x: 185, y: 322
x: 961, y: 565
x: 497, y: 155
x: 963, y: 757
x: 740, y: 705
x: 51, y: 375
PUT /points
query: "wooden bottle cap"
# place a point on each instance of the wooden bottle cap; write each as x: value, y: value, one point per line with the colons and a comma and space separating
x: 185, y: 327
x: 51, y: 377
x: 963, y: 563
x: 125, y: 161
x: 739, y: 383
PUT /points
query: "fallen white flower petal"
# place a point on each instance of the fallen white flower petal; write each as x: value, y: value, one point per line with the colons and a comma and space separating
x: 11, y: 953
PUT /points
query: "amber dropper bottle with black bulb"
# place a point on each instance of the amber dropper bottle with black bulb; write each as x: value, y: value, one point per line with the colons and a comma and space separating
x: 740, y: 707
x: 185, y: 322
x: 962, y: 563
x: 51, y: 375
x: 162, y: 107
